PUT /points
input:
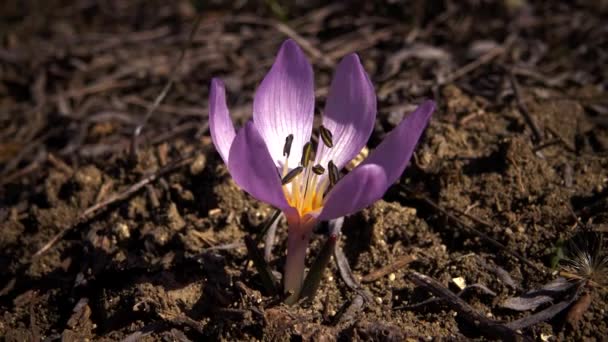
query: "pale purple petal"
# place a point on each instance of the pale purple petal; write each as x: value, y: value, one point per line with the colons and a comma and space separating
x: 252, y: 168
x: 369, y: 181
x: 220, y: 124
x: 284, y: 103
x: 349, y: 114
x: 354, y: 192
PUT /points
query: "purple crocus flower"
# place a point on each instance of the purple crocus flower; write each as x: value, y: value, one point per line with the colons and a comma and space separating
x: 271, y: 159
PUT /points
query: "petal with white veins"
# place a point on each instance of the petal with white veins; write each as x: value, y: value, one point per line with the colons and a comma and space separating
x: 350, y: 113
x: 253, y: 169
x: 284, y: 103
x: 369, y: 181
x: 220, y: 124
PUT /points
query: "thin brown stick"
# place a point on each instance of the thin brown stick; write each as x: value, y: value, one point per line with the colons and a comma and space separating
x: 95, y: 209
x: 306, y: 44
x: 483, y: 59
x: 31, y: 167
x: 401, y: 262
x: 546, y: 144
x: 365, y: 41
x: 33, y: 148
x: 165, y: 91
x: 523, y: 109
x: 60, y: 164
x: 285, y: 29
x: 561, y: 139
x: 471, y: 229
x: 166, y: 108
x: 485, y: 325
x: 97, y: 87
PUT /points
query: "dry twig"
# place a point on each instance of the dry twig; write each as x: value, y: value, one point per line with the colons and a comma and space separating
x: 473, y: 230
x: 523, y: 109
x: 95, y: 209
x: 164, y: 92
x: 401, y: 262
x: 485, y: 325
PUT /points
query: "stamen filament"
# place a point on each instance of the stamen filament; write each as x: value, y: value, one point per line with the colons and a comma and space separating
x: 295, y: 191
x: 305, y: 194
x: 306, y: 185
x: 285, y: 167
x: 323, y: 187
x: 309, y: 195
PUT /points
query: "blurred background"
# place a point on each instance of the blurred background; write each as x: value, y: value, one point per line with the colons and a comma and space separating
x: 76, y: 60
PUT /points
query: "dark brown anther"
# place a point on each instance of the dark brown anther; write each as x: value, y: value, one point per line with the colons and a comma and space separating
x: 326, y: 136
x: 291, y: 175
x: 334, y: 173
x: 287, y: 146
x: 318, y: 169
x: 306, y: 154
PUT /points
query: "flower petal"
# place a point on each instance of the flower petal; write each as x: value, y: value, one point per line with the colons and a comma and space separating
x: 220, y: 124
x: 369, y: 181
x: 354, y: 192
x: 349, y: 114
x: 252, y: 168
x: 284, y: 103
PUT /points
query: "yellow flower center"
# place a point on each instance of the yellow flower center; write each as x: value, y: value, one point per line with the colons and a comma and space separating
x: 306, y: 191
x: 305, y: 185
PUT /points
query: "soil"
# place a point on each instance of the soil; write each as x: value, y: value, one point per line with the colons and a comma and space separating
x: 513, y: 164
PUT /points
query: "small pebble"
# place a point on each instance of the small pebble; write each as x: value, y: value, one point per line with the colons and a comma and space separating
x: 176, y: 222
x: 214, y: 212
x: 122, y: 231
x: 545, y: 337
x: 256, y: 218
x: 379, y: 300
x: 410, y: 211
x: 460, y: 282
x: 198, y: 165
x: 391, y: 277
